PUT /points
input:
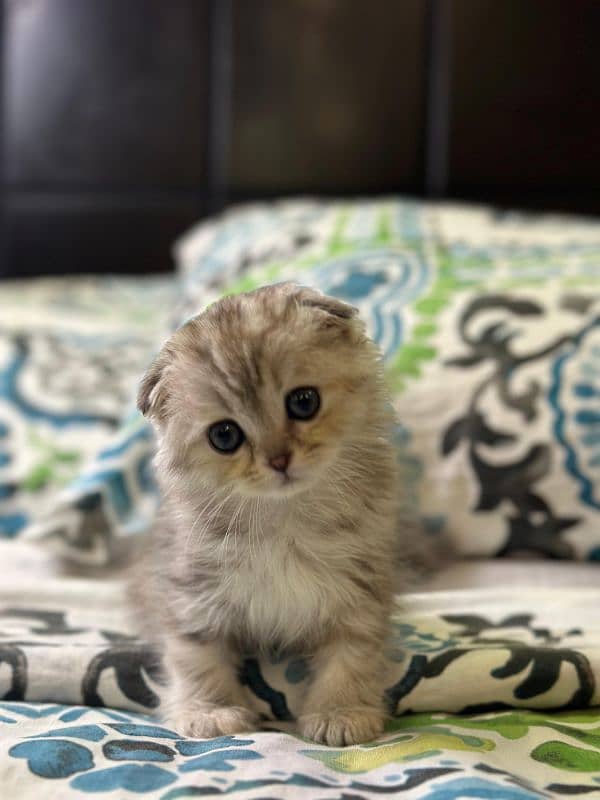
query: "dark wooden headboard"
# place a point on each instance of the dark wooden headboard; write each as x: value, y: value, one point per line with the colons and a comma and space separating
x: 124, y: 121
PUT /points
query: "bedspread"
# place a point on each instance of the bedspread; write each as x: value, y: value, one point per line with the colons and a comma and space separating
x: 492, y: 693
x: 68, y: 649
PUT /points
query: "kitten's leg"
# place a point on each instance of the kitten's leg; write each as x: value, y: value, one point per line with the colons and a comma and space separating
x: 204, y: 697
x: 344, y: 704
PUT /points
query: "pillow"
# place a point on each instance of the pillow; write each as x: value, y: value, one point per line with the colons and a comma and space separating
x: 489, y: 326
x: 71, y: 350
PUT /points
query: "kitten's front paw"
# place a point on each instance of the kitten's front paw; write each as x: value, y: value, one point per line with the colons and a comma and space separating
x: 214, y: 721
x: 342, y: 727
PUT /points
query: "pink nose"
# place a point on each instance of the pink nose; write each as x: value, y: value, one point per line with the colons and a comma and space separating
x: 281, y: 463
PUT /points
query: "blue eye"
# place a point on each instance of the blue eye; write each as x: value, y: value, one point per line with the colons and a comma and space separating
x: 225, y: 436
x: 302, y: 403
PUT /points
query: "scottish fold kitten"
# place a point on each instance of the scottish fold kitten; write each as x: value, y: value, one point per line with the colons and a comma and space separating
x: 279, y: 524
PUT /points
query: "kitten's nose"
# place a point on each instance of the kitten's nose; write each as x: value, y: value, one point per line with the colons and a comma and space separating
x: 281, y: 462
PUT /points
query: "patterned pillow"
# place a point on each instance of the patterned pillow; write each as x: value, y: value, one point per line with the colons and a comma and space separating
x: 71, y: 350
x: 489, y: 325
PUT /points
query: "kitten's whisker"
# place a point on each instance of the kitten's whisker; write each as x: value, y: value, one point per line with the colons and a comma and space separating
x: 256, y: 538
x: 237, y: 530
x: 251, y: 525
x: 234, y: 524
x: 225, y: 543
x: 190, y: 537
x: 205, y: 512
x: 260, y: 518
x: 209, y: 512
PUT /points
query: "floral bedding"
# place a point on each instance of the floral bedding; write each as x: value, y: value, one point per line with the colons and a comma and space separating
x: 61, y: 752
x: 71, y: 352
x: 492, y: 695
x: 488, y: 324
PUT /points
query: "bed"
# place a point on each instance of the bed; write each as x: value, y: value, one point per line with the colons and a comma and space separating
x: 488, y: 323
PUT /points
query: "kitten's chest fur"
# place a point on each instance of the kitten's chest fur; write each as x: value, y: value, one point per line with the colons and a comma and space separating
x: 282, y: 590
x: 284, y: 579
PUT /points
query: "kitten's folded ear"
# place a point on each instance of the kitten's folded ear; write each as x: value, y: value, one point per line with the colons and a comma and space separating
x: 331, y: 305
x: 152, y: 392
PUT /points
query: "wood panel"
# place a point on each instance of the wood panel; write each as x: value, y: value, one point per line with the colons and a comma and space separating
x: 107, y: 125
x: 327, y: 95
x: 106, y: 93
x: 54, y: 233
x: 525, y: 113
x: 105, y: 156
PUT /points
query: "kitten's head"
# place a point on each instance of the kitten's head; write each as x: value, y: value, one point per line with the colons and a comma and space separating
x: 258, y: 394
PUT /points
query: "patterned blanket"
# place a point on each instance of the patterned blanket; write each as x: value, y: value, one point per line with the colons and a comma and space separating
x: 493, y: 695
x: 61, y: 752
x: 490, y: 328
x: 67, y: 649
x: 466, y: 651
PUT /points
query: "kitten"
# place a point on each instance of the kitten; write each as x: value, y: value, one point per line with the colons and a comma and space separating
x: 279, y: 523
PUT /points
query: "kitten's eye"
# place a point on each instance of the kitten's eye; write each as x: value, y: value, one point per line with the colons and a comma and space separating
x: 302, y: 403
x: 225, y: 436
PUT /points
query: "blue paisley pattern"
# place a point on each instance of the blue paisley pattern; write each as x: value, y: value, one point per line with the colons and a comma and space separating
x: 576, y: 376
x: 381, y: 283
x: 65, y: 379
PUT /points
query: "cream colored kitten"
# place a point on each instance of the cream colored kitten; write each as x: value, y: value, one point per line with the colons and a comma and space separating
x: 279, y: 525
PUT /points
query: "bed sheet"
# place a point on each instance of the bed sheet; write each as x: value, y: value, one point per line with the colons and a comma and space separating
x: 493, y: 694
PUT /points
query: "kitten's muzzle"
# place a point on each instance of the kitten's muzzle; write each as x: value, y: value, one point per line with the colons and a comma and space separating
x: 281, y: 462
